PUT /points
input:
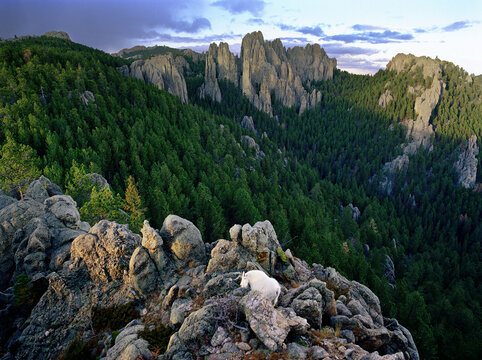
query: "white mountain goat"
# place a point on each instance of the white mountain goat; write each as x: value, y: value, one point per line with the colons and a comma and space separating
x: 261, y: 282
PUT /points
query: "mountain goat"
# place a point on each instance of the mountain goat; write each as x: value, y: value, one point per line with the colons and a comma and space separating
x: 261, y: 282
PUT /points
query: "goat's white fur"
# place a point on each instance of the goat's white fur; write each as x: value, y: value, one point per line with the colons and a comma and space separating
x: 258, y: 280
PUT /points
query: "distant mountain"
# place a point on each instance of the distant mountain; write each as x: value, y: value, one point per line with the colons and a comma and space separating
x: 264, y: 67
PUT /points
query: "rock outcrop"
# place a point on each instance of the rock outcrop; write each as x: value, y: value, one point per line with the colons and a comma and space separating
x: 269, y: 67
x: 86, y: 97
x: 265, y: 67
x: 251, y: 144
x: 128, y: 345
x: 419, y: 131
x: 220, y: 64
x: 184, y: 240
x: 163, y: 279
x: 389, y: 270
x: 466, y: 165
x: 385, y: 98
x: 408, y: 62
x: 248, y: 124
x: 105, y: 250
x: 58, y: 34
x: 269, y: 325
x: 36, y: 232
x: 162, y: 71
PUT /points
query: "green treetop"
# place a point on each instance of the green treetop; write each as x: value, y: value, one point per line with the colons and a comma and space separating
x: 17, y: 166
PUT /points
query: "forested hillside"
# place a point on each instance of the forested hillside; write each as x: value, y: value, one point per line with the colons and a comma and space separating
x: 190, y: 160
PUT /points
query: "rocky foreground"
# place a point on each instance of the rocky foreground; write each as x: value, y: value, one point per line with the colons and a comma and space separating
x: 68, y: 290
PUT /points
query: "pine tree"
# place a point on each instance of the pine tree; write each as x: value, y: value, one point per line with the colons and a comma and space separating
x: 103, y: 205
x: 133, y: 206
x: 17, y: 167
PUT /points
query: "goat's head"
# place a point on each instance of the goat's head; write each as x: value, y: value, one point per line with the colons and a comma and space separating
x: 244, y: 280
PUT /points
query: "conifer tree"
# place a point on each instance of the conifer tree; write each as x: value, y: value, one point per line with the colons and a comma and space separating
x: 17, y: 167
x: 133, y: 206
x: 103, y: 205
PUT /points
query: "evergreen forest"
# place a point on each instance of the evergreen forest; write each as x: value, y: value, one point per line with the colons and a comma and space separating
x: 188, y: 160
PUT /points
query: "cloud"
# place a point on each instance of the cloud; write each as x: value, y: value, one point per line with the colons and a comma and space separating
x: 455, y: 26
x: 290, y: 42
x: 286, y: 27
x: 357, y: 65
x: 255, y: 21
x: 372, y: 37
x: 255, y: 7
x: 108, y: 24
x: 458, y: 25
x: 315, y: 30
x: 336, y: 49
x: 360, y: 27
x: 307, y: 30
x: 165, y: 37
x: 190, y: 27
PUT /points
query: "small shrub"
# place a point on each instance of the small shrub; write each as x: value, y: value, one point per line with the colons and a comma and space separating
x: 262, y: 257
x: 27, y: 293
x: 258, y: 355
x: 317, y: 336
x: 21, y: 289
x: 77, y: 350
x: 158, y: 338
x: 113, y: 317
x: 282, y: 255
x: 114, y: 335
x: 302, y: 343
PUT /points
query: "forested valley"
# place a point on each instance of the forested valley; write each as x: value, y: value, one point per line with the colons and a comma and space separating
x: 189, y: 160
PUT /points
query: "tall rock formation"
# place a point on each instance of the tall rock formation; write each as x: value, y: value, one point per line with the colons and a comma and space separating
x: 466, y: 165
x: 220, y: 64
x: 419, y: 131
x: 162, y: 71
x: 266, y: 67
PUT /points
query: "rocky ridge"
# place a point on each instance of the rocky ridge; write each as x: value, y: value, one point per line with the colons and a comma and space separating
x: 265, y: 67
x: 170, y: 278
x: 419, y: 131
x: 58, y: 34
x: 163, y: 71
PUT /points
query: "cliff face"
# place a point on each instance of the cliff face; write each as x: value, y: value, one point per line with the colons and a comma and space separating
x: 266, y: 67
x: 419, y: 131
x: 163, y: 71
x: 220, y: 64
x: 170, y: 278
x: 263, y: 68
x: 466, y: 165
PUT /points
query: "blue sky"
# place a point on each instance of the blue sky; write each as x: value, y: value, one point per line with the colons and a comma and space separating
x: 362, y: 35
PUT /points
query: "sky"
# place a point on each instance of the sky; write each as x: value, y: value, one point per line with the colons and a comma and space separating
x: 362, y: 35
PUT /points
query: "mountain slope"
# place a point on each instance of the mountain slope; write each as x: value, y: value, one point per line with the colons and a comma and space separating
x: 194, y: 161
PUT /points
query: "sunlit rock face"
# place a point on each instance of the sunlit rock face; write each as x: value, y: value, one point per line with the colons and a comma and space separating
x: 162, y: 71
x: 266, y: 67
